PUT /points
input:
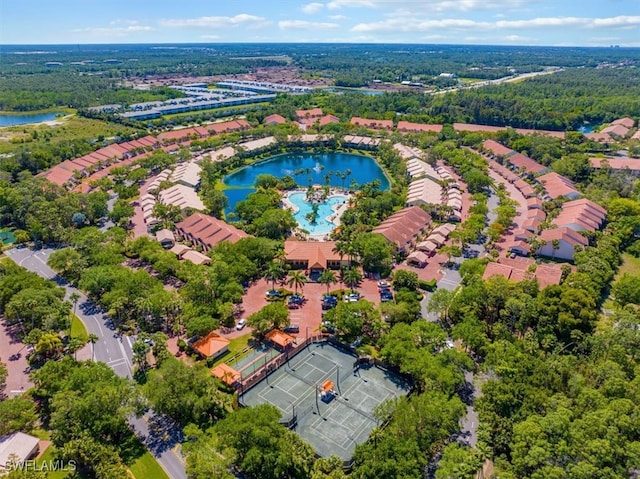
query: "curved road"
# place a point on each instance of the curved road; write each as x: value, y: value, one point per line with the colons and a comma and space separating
x: 158, y: 433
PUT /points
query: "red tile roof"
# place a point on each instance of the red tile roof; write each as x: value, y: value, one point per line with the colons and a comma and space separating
x: 403, y: 227
x: 626, y: 122
x: 615, y: 130
x: 279, y: 338
x: 583, y: 212
x: 316, y: 254
x: 312, y: 113
x: 618, y: 163
x: 372, y: 124
x: 497, y: 148
x: 325, y: 120
x: 274, y: 119
x: 546, y: 275
x: 407, y: 126
x: 527, y: 164
x: 211, y: 345
x: 226, y: 374
x: 209, y: 231
x: 534, y: 203
x: 564, y: 234
x: 557, y: 185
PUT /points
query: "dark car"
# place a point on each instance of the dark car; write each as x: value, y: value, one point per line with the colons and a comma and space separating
x: 273, y: 293
x: 292, y: 328
x: 329, y: 302
x: 386, y: 296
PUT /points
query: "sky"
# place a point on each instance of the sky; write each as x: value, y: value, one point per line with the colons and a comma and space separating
x: 496, y: 22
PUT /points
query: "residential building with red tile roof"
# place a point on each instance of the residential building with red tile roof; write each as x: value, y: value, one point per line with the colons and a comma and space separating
x: 580, y: 215
x: 497, y: 149
x: 328, y: 119
x: 312, y: 114
x: 526, y: 164
x: 545, y: 274
x: 626, y: 122
x: 409, y: 127
x: 567, y: 240
x: 616, y: 130
x: 196, y: 257
x: 403, y: 227
x: 208, y: 231
x: 525, y: 188
x: 531, y: 224
x: 372, y: 124
x: 557, y: 185
x: 536, y: 214
x: 619, y: 163
x: 211, y: 346
x: 534, y: 203
x: 470, y: 127
x: 313, y: 255
x: 274, y: 119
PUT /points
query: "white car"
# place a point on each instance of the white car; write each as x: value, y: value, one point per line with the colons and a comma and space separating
x: 241, y: 324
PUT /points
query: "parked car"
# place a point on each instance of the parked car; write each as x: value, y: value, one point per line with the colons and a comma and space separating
x: 383, y: 285
x: 292, y: 328
x: 328, y: 325
x: 386, y: 296
x: 329, y: 302
x: 241, y: 324
x: 273, y: 293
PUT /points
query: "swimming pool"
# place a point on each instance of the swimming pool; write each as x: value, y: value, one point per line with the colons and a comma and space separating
x: 326, y: 210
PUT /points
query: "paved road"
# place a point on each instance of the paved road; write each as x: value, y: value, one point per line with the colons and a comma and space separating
x: 117, y: 352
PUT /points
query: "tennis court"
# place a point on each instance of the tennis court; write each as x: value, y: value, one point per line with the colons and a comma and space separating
x: 336, y: 426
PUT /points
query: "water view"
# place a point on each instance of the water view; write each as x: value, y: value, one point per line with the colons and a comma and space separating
x: 334, y: 169
x: 16, y: 120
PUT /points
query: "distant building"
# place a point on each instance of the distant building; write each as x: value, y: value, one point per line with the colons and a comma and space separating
x: 372, y: 124
x: 275, y: 119
x: 183, y: 197
x: 408, y: 127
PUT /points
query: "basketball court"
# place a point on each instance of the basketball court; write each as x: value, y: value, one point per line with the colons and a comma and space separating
x: 332, y: 398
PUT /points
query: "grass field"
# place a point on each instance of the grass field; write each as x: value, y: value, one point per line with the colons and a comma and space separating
x: 144, y: 467
x: 236, y: 346
x: 147, y: 467
x: 72, y: 127
x: 78, y: 330
x: 630, y: 265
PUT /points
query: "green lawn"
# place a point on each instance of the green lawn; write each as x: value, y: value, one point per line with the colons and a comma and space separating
x: 236, y: 346
x: 78, y: 330
x: 147, y: 467
x: 630, y: 265
x: 143, y: 467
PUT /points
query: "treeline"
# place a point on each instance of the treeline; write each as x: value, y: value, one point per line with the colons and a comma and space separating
x: 70, y: 89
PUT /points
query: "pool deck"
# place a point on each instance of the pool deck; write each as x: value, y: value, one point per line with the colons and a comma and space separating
x: 338, y: 210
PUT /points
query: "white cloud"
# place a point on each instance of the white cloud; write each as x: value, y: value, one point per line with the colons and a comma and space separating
x: 337, y: 17
x: 312, y: 8
x: 432, y: 5
x: 114, y: 31
x: 215, y: 22
x: 304, y: 25
x: 407, y: 23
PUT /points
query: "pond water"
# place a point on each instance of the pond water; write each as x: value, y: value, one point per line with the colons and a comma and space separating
x: 584, y: 129
x: 16, y: 120
x: 306, y: 168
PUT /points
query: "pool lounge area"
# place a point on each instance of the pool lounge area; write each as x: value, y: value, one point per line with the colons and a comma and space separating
x: 329, y: 212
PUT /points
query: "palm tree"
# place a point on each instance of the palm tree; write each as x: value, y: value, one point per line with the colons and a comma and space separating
x: 74, y: 297
x: 93, y: 339
x: 555, y: 244
x: 297, y: 279
x: 274, y: 272
x: 328, y: 277
x: 351, y: 277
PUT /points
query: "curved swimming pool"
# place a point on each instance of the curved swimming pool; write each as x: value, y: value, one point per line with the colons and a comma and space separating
x: 326, y: 212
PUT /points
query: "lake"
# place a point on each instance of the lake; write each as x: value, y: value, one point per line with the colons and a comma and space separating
x: 16, y: 120
x: 305, y: 168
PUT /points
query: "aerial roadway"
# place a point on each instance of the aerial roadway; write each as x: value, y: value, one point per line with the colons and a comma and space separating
x: 158, y: 433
